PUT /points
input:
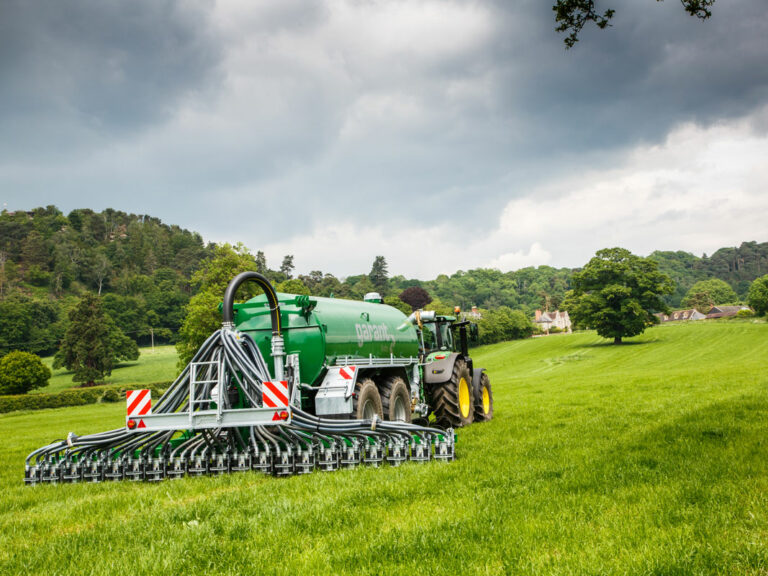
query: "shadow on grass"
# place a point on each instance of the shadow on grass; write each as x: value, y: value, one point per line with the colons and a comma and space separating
x: 610, y: 344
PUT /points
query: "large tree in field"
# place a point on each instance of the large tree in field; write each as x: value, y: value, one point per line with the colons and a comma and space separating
x: 93, y: 343
x: 616, y: 293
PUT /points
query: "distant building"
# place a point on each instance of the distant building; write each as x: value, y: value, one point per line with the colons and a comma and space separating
x: 725, y: 311
x: 557, y: 319
x: 474, y: 313
x: 679, y: 315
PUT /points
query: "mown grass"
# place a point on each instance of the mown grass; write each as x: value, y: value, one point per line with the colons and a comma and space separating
x: 152, y: 366
x: 648, y: 458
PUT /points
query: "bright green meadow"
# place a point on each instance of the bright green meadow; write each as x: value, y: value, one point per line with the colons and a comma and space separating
x: 158, y: 365
x: 645, y: 458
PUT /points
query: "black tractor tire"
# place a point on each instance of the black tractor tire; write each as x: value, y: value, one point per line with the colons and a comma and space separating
x: 453, y: 401
x: 395, y: 399
x: 483, y: 399
x: 367, y: 400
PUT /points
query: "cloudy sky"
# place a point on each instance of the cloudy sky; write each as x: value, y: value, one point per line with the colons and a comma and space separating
x: 441, y: 134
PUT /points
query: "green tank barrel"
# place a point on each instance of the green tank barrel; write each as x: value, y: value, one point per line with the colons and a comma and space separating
x: 323, y: 329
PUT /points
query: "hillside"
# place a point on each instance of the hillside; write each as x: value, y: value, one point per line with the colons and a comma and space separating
x: 140, y: 265
x: 738, y: 266
x: 145, y: 271
x: 646, y: 458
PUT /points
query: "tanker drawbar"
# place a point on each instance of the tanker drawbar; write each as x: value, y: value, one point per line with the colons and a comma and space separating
x: 241, y: 404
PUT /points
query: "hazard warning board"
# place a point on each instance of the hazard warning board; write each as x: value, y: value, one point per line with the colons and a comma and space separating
x: 275, y: 394
x: 347, y: 373
x: 138, y: 403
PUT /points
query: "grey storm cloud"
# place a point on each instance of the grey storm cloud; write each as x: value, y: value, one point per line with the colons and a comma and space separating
x: 396, y: 114
x: 76, y: 73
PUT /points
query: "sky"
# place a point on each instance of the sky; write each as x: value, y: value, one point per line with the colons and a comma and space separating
x: 443, y: 135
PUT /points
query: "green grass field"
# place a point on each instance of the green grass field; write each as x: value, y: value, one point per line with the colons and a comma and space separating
x: 648, y: 458
x: 152, y: 366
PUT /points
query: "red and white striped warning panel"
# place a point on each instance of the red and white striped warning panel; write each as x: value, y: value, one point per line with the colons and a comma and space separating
x: 275, y: 394
x: 347, y: 372
x: 139, y: 403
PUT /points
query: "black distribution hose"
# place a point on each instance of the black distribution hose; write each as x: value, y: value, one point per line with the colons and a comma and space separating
x: 242, y: 365
x: 227, y: 312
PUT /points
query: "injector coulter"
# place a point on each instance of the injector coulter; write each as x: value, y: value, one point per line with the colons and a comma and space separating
x: 290, y: 384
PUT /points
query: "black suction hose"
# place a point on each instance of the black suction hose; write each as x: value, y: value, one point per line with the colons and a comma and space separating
x: 227, y: 312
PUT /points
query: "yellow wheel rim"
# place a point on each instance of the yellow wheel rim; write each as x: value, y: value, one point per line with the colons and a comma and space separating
x: 464, y: 404
x: 486, y: 401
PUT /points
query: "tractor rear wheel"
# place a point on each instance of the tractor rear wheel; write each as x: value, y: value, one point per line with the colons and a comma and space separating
x: 395, y: 399
x: 367, y: 401
x: 452, y: 401
x: 483, y: 399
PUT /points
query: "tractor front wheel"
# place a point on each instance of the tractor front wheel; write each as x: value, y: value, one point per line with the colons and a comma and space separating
x: 483, y: 399
x: 453, y: 401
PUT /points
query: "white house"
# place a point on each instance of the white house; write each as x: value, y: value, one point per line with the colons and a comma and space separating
x: 557, y: 319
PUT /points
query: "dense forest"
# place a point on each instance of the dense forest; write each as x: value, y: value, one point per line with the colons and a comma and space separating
x: 738, y: 267
x: 146, y: 271
x: 140, y: 266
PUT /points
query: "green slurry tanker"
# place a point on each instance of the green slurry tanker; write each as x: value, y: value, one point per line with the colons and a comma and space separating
x: 288, y: 385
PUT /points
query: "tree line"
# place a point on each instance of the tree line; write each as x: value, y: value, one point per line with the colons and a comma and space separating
x: 150, y: 278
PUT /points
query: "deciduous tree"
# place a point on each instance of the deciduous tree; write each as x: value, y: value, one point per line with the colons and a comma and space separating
x: 203, y: 316
x: 21, y: 372
x: 416, y: 297
x: 706, y: 293
x: 395, y: 302
x: 293, y: 286
x: 616, y: 293
x: 503, y: 324
x: 758, y: 295
x: 572, y: 15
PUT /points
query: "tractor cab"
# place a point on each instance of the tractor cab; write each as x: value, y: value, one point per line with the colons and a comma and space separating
x: 437, y: 334
x: 446, y: 333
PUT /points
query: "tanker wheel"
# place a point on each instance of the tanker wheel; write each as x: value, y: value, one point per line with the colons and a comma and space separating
x: 452, y: 400
x: 367, y: 401
x: 483, y: 399
x: 395, y: 399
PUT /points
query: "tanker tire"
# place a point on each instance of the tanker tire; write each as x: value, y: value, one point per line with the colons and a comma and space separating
x: 449, y: 398
x: 483, y: 411
x: 395, y: 400
x: 366, y: 400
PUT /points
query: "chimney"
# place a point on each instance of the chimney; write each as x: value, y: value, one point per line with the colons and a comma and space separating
x: 538, y: 315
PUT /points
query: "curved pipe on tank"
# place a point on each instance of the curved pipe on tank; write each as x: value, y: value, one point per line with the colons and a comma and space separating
x: 227, y: 312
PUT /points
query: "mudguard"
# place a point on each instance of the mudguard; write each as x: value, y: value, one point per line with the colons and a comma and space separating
x: 439, y: 371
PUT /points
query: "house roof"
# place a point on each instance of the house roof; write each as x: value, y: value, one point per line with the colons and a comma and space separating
x: 680, y: 315
x: 724, y: 311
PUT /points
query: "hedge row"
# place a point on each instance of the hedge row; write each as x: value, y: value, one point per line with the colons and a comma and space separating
x: 73, y: 397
